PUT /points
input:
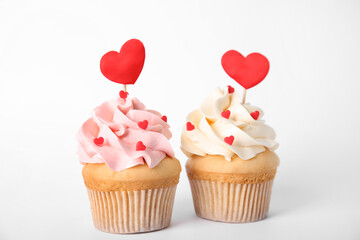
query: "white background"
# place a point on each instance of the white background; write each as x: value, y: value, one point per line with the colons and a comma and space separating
x: 50, y: 81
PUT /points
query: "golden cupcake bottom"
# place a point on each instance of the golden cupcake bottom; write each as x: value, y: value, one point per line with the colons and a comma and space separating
x: 231, y: 202
x: 223, y: 191
x: 132, y: 211
x: 138, y: 199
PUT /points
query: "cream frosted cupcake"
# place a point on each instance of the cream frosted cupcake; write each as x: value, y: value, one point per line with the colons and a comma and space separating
x: 232, y: 164
x: 130, y: 170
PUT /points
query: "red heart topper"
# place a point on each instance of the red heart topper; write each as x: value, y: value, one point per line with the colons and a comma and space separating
x: 125, y: 66
x: 247, y: 71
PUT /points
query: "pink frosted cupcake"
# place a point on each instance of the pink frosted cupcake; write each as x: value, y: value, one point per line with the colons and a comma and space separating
x: 130, y: 170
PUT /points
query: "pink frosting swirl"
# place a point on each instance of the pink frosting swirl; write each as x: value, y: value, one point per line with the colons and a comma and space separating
x: 117, y: 122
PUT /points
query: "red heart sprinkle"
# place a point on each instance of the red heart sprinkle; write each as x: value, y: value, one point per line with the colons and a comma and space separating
x: 143, y: 124
x: 247, y: 71
x: 255, y: 115
x: 123, y: 94
x: 140, y: 146
x: 229, y: 140
x: 230, y: 89
x: 226, y: 114
x: 189, y: 126
x: 125, y: 66
x: 164, y: 118
x: 99, y: 141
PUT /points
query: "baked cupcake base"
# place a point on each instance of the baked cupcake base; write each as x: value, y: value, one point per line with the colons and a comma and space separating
x: 132, y: 211
x: 231, y: 202
x: 236, y: 191
x: 137, y: 199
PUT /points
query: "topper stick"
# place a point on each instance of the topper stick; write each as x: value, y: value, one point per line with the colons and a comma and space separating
x: 244, y: 96
x: 125, y: 88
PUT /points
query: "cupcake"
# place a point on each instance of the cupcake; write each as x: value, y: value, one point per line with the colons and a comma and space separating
x: 232, y: 164
x: 130, y: 170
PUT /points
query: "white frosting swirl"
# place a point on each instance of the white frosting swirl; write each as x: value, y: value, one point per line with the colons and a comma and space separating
x: 250, y: 136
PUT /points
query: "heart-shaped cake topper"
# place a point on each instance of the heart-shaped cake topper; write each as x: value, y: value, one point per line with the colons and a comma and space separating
x: 247, y: 71
x: 125, y: 66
